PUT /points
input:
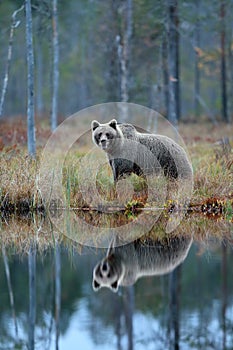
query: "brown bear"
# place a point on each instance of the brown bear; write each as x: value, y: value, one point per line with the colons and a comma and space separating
x: 123, y: 265
x: 130, y: 151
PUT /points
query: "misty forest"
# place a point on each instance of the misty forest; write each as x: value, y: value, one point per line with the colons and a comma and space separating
x: 129, y: 51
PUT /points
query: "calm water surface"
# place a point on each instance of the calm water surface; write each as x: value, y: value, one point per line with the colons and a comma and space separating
x: 190, y: 307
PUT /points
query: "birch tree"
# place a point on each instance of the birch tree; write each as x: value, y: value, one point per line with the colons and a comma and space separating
x: 112, y: 68
x: 230, y: 56
x: 32, y: 296
x: 9, y: 284
x: 55, y: 74
x: 223, y: 61
x: 196, y: 60
x: 173, y: 62
x: 165, y: 71
x: 174, y: 307
x: 39, y: 58
x: 30, y: 81
x: 123, y: 49
x: 125, y: 59
x: 57, y: 259
x: 225, y: 287
x: 128, y: 299
x: 14, y: 24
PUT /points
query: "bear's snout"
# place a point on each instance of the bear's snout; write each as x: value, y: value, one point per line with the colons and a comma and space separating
x: 105, y: 268
x: 103, y: 142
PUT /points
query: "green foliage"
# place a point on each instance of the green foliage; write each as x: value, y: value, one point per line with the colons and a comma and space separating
x: 229, y: 210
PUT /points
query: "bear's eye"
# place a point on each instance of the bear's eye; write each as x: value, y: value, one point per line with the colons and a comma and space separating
x: 107, y: 135
x: 100, y: 134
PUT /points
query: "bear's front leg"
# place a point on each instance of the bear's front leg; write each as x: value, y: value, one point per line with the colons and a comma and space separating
x: 120, y: 168
x: 112, y: 164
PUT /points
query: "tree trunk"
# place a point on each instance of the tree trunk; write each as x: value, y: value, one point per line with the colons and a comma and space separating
x: 223, y: 62
x: 14, y: 24
x: 39, y: 102
x: 11, y: 294
x: 55, y: 77
x: 173, y: 63
x: 129, y: 311
x: 113, y: 66
x: 32, y: 296
x: 165, y: 71
x: 117, y: 309
x: 57, y: 292
x: 125, y: 54
x: 224, y: 294
x: 123, y: 79
x: 230, y: 56
x: 123, y: 49
x: 30, y: 82
x: 177, y: 60
x: 196, y: 61
x: 174, y: 287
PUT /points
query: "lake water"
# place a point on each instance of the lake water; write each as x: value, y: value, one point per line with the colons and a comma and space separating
x: 47, y: 299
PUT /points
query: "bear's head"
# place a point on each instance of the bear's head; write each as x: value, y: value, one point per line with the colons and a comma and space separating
x: 107, y: 273
x: 106, y: 136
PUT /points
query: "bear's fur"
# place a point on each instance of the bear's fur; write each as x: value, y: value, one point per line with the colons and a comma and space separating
x: 123, y: 265
x: 130, y: 151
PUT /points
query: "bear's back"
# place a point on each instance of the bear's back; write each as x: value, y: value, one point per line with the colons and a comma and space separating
x: 128, y: 130
x: 152, y: 257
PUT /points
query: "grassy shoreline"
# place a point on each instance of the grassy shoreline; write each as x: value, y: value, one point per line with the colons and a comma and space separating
x: 213, y: 189
x: 212, y: 161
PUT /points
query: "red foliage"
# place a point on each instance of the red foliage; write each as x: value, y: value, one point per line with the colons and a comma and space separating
x: 13, y: 132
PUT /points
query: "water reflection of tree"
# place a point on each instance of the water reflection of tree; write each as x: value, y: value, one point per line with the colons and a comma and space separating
x: 32, y: 296
x: 208, y: 294
x: 193, y: 306
x: 113, y: 313
x: 57, y: 260
x: 40, y: 296
x: 128, y: 307
x: 11, y: 293
x: 202, y: 295
x: 174, y: 308
x: 224, y: 294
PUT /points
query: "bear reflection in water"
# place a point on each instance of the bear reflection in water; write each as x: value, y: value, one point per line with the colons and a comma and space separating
x: 123, y: 265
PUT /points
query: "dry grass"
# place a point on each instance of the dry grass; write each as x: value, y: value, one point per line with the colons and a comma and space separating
x: 18, y: 232
x: 213, y: 171
x: 213, y: 178
x: 18, y: 181
x: 212, y: 158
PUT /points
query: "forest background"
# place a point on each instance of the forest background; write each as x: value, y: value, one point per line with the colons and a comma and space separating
x: 100, y: 41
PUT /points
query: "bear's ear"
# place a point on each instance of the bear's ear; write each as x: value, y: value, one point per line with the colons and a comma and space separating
x: 94, y: 124
x: 114, y: 286
x: 96, y: 286
x: 113, y: 123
